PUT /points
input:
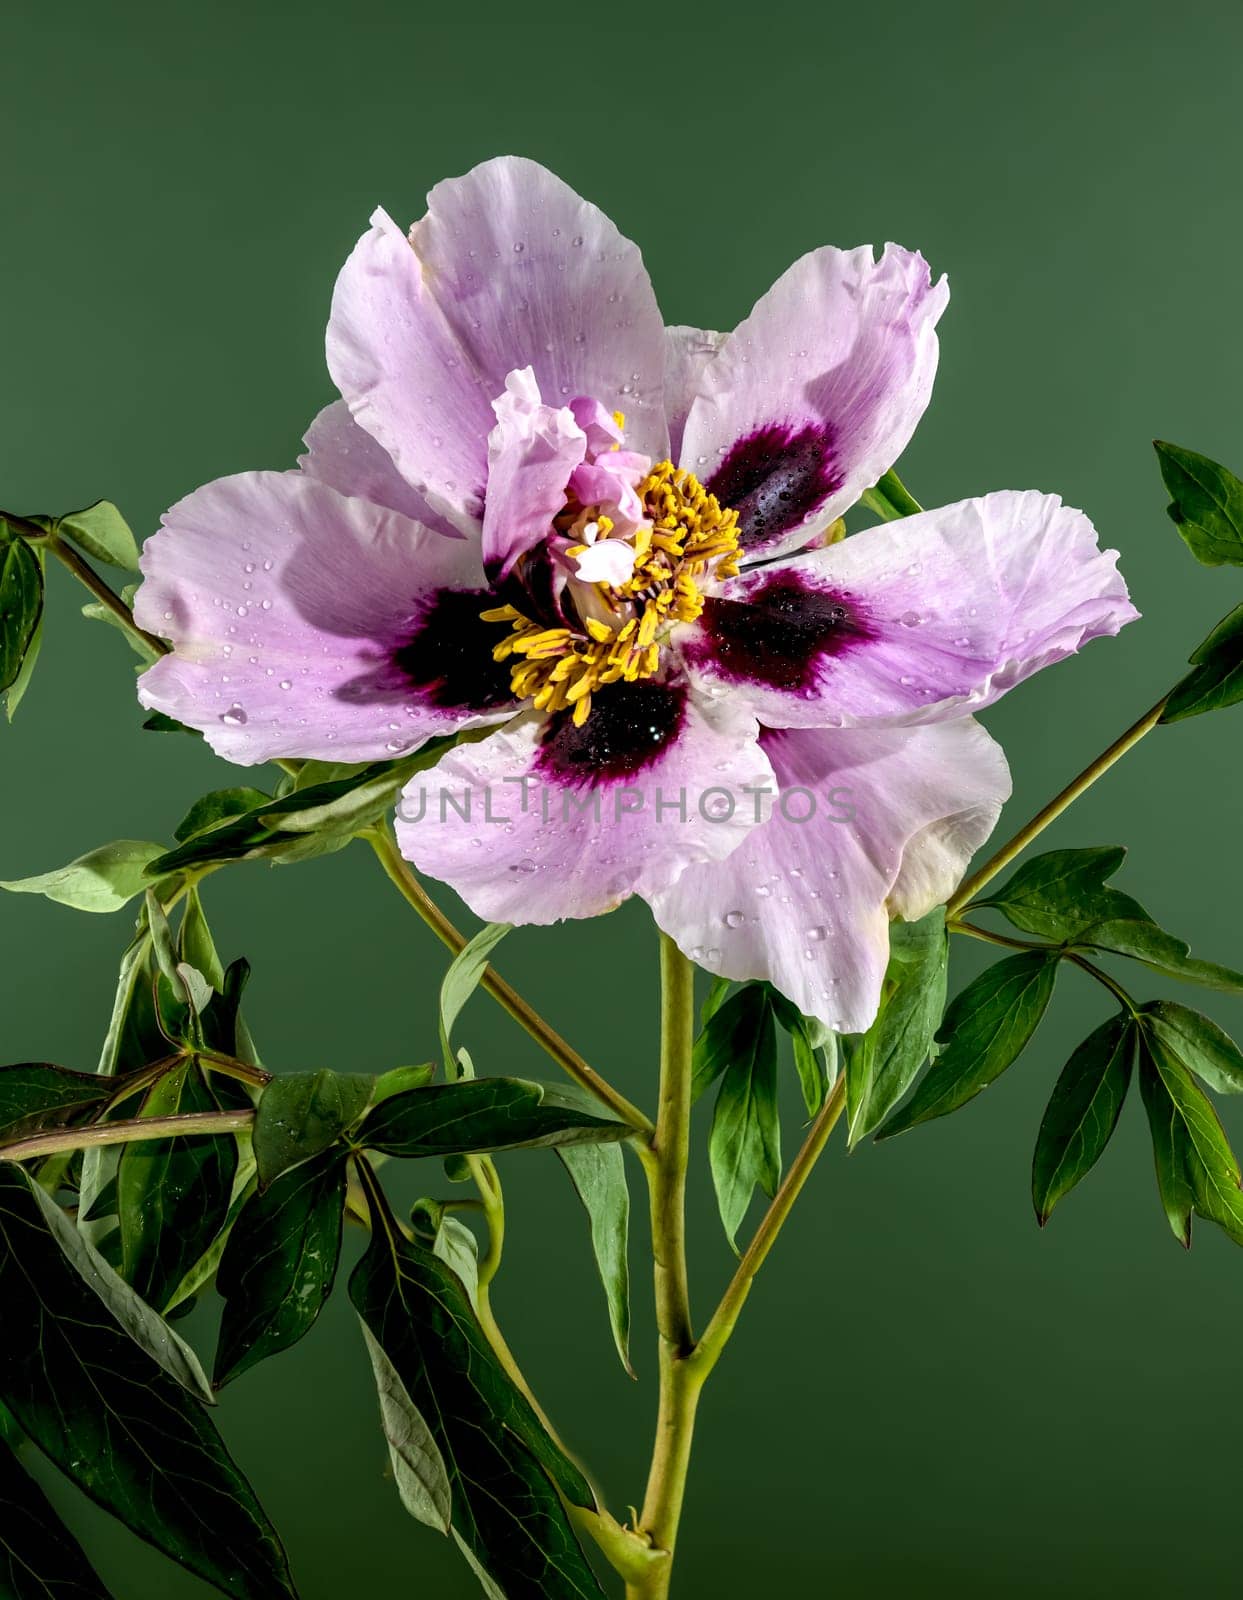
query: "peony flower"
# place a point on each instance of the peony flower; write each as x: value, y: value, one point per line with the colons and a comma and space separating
x: 539, y: 509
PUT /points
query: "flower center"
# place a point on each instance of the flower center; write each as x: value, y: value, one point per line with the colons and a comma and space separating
x: 625, y: 591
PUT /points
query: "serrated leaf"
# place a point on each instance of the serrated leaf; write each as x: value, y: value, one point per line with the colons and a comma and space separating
x: 39, y: 1558
x: 460, y: 982
x: 744, y: 1146
x: 112, y: 1418
x: 985, y: 1029
x: 36, y: 1095
x: 598, y: 1173
x: 101, y: 531
x: 1206, y: 504
x: 418, y: 1466
x: 884, y: 1063
x: 21, y: 606
x: 102, y: 880
x: 279, y: 1264
x: 504, y: 1471
x: 1082, y: 1113
x: 301, y: 1114
x: 477, y: 1115
x: 1216, y: 679
x: 1197, y: 1042
x: 173, y: 1195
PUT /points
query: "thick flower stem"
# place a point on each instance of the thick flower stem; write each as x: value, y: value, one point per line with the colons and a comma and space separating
x: 666, y: 1164
x: 1060, y: 802
x: 127, y: 1132
x: 413, y: 892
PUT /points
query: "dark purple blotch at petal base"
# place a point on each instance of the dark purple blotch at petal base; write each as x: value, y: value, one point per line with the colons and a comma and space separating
x: 780, y: 634
x: 776, y: 477
x: 631, y: 725
x: 448, y: 657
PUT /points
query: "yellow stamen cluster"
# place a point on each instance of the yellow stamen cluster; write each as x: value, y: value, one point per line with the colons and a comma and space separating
x: 690, y: 532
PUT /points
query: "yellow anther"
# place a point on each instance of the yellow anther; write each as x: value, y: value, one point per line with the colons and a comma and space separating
x: 686, y: 536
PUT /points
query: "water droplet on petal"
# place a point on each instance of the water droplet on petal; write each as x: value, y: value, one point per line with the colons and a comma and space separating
x: 235, y: 716
x: 734, y: 919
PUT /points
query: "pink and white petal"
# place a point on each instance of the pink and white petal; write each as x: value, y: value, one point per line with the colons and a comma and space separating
x: 687, y: 353
x: 407, y: 380
x: 347, y: 458
x: 912, y: 621
x: 890, y: 819
x: 542, y: 820
x: 811, y: 399
x: 525, y: 271
x: 532, y: 453
x: 306, y: 623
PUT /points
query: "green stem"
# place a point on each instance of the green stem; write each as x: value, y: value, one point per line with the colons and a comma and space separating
x: 549, y: 1040
x: 1077, y: 786
x: 126, y: 1132
x: 107, y: 597
x: 666, y: 1164
x: 1073, y: 956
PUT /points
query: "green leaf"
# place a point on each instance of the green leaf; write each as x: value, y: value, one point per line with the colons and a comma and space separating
x: 101, y: 531
x: 807, y: 1041
x: 314, y: 820
x: 882, y: 1067
x: 714, y: 999
x: 221, y: 805
x: 985, y: 1029
x: 303, y: 1113
x: 1196, y: 1168
x: 598, y: 1173
x: 279, y: 1264
x: 1082, y: 1113
x: 16, y: 691
x: 503, y: 1470
x: 1216, y: 680
x: 398, y: 1079
x: 890, y: 499
x: 1160, y: 951
x: 102, y: 880
x: 744, y: 1147
x: 418, y: 1466
x: 451, y: 1240
x: 203, y: 1272
x: 1198, y: 1043
x: 1059, y: 894
x: 460, y: 982
x: 36, y: 1095
x: 157, y: 722
x: 111, y: 1417
x: 1206, y: 504
x: 173, y: 1195
x: 21, y: 607
x: 732, y: 1029
x: 197, y: 948
x: 475, y: 1115
x: 39, y: 1558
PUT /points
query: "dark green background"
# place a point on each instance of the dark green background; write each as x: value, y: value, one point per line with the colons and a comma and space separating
x: 927, y: 1396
